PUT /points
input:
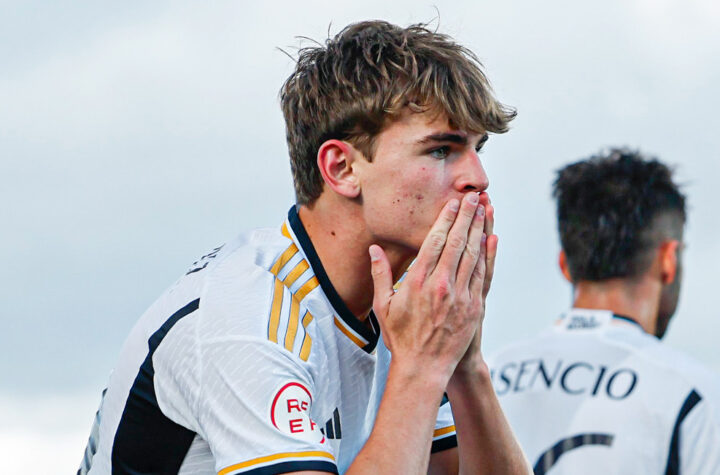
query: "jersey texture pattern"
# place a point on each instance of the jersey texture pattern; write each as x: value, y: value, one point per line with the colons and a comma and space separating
x: 597, y: 395
x: 249, y: 364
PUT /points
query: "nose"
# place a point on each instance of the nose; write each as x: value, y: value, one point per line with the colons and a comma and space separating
x: 471, y: 175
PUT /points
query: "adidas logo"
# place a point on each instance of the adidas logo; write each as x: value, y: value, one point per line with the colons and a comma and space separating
x: 332, y: 429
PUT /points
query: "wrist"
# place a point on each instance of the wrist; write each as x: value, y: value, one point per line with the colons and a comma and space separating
x: 429, y: 379
x: 472, y: 373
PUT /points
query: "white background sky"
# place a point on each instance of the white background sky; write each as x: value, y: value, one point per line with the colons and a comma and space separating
x: 135, y: 136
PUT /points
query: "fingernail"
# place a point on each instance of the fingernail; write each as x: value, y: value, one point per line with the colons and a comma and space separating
x: 474, y: 198
x: 484, y: 238
x: 374, y: 254
x: 480, y: 211
x: 454, y: 205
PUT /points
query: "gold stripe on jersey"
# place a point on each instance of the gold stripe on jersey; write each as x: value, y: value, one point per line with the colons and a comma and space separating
x: 285, y: 231
x: 306, y: 288
x: 443, y: 431
x: 270, y: 458
x: 276, y: 307
x: 297, y: 271
x: 275, y: 311
x: 307, y: 341
x: 288, y: 254
x: 292, y: 324
x: 348, y: 333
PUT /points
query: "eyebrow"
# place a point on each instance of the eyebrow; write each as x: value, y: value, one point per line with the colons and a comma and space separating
x: 457, y: 138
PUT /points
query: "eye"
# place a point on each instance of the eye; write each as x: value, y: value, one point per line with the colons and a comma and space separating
x: 441, y: 152
x: 481, y: 144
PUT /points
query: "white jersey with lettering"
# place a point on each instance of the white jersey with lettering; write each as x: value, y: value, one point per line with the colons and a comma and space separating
x: 597, y: 395
x: 250, y: 363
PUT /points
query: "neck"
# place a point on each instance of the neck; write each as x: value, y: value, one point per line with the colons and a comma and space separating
x: 637, y: 298
x: 341, y: 241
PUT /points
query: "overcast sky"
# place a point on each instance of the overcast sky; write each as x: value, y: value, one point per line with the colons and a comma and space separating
x: 135, y: 136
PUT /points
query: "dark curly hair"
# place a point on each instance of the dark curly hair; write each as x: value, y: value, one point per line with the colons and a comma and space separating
x: 353, y: 85
x: 613, y: 210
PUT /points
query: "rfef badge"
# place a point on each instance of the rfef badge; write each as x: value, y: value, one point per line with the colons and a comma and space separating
x: 290, y: 413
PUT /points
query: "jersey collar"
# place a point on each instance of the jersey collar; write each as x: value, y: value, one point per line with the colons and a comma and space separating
x: 338, y: 305
x: 590, y: 319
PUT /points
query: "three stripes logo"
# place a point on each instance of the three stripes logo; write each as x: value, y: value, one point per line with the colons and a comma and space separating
x: 332, y: 429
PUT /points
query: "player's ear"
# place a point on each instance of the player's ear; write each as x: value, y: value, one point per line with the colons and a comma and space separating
x: 335, y: 161
x: 668, y: 254
x: 562, y: 262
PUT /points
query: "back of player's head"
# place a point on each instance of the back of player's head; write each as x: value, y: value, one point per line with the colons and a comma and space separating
x: 613, y: 210
x: 353, y: 85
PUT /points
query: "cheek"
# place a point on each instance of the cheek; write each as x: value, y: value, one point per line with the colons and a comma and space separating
x: 412, y: 193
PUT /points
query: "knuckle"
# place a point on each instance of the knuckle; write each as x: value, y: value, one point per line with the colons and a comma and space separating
x: 436, y: 240
x: 472, y: 251
x: 443, y: 288
x: 457, y: 242
x: 416, y: 282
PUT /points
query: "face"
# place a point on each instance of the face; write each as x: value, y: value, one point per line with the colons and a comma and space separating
x: 420, y: 163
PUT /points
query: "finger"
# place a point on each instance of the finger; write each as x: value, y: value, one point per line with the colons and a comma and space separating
x: 489, y: 220
x: 489, y: 212
x: 458, y: 236
x: 434, y: 242
x: 382, y: 281
x: 471, y: 254
x: 484, y: 198
x: 477, y: 280
x: 492, y: 243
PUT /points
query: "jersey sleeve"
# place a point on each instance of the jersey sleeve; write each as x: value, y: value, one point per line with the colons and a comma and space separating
x: 444, y: 436
x: 699, y: 441
x: 254, y: 408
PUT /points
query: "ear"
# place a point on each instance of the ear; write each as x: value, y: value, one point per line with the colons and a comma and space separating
x: 668, y: 254
x: 335, y: 161
x: 562, y: 262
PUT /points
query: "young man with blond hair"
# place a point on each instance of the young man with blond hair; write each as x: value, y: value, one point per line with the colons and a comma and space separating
x: 273, y: 353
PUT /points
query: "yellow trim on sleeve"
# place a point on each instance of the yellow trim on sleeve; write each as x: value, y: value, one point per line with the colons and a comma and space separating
x: 275, y: 311
x: 348, y: 334
x: 307, y: 341
x: 292, y: 324
x: 443, y: 431
x: 270, y: 458
x: 297, y: 271
x: 306, y: 288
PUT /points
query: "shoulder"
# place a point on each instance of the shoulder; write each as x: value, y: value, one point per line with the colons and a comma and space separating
x: 257, y: 292
x: 238, y: 287
x: 682, y: 366
x: 522, y: 348
x: 676, y: 365
x: 227, y: 294
x: 248, y: 309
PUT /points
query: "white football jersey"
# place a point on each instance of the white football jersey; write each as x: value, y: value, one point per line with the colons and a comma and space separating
x: 250, y: 363
x: 597, y: 395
